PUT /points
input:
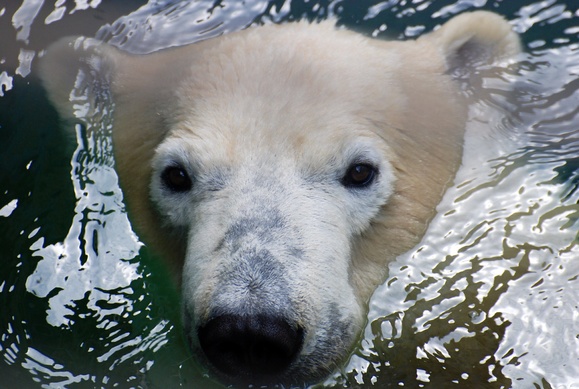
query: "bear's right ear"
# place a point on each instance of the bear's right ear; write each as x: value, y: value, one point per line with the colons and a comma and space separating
x: 77, y: 74
x: 474, y: 39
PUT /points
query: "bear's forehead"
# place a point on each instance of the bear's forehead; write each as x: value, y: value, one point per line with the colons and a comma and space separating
x: 243, y: 106
x: 292, y: 71
x: 292, y: 119
x: 221, y: 143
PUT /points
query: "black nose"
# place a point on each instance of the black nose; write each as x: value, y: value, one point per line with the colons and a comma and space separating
x: 250, y: 347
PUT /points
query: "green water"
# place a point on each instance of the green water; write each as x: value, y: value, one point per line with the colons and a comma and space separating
x: 489, y: 298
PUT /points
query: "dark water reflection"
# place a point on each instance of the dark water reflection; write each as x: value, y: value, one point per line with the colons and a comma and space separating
x: 489, y: 298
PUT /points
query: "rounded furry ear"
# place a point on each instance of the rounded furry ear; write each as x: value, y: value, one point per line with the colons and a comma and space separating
x: 475, y: 39
x: 76, y: 72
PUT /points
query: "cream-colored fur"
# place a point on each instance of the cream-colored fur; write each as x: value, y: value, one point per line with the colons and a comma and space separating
x: 267, y: 122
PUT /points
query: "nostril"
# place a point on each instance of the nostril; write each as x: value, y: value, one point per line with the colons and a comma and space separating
x: 250, y: 346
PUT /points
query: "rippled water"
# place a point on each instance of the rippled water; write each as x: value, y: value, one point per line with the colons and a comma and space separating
x: 489, y: 298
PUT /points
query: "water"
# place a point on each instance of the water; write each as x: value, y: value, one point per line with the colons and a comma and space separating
x: 489, y: 298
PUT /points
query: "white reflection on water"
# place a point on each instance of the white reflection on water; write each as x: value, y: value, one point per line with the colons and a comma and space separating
x: 7, y: 209
x: 39, y: 366
x: 24, y: 17
x: 94, y: 257
x: 5, y: 83
x: 162, y: 24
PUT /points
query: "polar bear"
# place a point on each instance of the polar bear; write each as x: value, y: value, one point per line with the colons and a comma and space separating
x: 280, y: 168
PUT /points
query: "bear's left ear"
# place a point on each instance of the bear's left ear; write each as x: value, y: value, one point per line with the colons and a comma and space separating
x: 77, y: 73
x: 475, y: 39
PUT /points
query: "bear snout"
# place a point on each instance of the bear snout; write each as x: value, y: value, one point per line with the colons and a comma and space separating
x: 251, y: 348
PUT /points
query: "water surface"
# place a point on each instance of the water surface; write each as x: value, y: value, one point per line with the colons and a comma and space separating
x: 489, y: 298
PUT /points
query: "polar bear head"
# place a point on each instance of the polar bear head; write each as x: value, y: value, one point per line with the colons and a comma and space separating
x: 280, y: 168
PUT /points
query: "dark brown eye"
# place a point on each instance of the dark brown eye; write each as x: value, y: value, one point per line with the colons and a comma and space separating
x: 359, y: 175
x: 176, y: 179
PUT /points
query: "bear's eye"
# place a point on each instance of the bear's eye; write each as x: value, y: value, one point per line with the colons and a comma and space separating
x: 176, y: 179
x: 359, y: 175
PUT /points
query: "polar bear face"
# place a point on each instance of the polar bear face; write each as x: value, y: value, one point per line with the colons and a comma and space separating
x: 280, y: 169
x: 262, y: 199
